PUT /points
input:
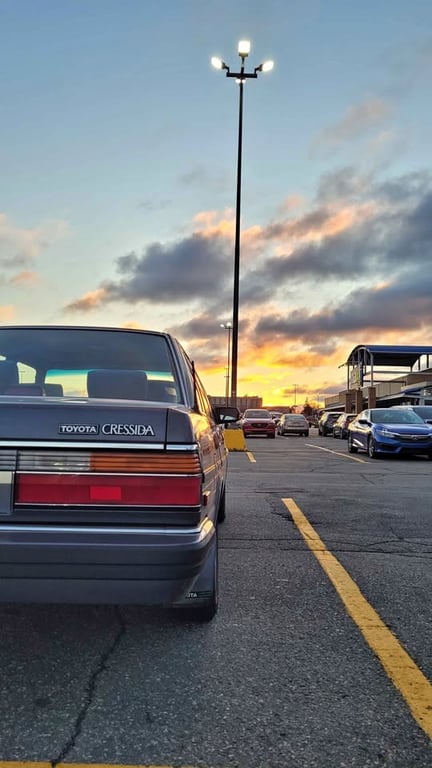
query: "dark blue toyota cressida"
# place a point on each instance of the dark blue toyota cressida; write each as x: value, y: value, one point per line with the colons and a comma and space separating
x: 112, y: 470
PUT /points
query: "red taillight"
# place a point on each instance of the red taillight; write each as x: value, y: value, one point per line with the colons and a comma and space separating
x: 122, y: 490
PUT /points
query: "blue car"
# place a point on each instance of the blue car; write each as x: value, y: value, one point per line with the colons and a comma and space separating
x: 385, y: 431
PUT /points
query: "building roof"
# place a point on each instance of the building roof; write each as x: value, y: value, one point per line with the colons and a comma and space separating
x: 392, y: 355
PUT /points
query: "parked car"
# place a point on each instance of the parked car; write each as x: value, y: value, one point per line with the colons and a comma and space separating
x: 326, y: 422
x: 424, y: 411
x: 340, y: 427
x: 276, y: 416
x: 258, y: 422
x: 386, y: 431
x: 113, y: 470
x: 293, y: 424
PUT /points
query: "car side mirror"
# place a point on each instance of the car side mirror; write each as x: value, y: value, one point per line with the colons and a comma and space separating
x: 226, y: 414
x: 363, y: 422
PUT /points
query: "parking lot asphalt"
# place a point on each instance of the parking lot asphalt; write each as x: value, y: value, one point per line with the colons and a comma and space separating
x: 283, y: 677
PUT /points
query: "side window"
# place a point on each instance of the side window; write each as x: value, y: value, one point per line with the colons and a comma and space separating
x: 26, y: 374
x: 202, y: 399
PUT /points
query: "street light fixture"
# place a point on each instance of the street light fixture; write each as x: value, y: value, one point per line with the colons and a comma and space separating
x: 240, y: 78
x: 228, y: 327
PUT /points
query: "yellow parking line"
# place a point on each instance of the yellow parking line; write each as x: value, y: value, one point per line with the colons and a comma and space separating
x: 398, y: 664
x: 251, y: 457
x: 24, y: 764
x: 337, y: 453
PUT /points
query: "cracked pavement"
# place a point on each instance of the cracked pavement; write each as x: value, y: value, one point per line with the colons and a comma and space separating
x: 281, y: 677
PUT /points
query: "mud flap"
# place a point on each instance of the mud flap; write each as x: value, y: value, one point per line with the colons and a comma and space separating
x: 204, y: 589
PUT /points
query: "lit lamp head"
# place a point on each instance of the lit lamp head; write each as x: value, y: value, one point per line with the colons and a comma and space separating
x: 266, y: 66
x: 244, y: 47
x: 217, y: 63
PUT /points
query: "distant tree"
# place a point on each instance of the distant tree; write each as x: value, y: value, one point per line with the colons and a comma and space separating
x: 307, y: 409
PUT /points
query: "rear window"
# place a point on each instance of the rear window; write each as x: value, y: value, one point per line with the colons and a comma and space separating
x: 82, y: 362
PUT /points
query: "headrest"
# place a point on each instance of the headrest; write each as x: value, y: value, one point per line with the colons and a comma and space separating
x: 53, y: 390
x: 25, y: 389
x: 122, y: 385
x: 8, y: 374
x: 163, y: 391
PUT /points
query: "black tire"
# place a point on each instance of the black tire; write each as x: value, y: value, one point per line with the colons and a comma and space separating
x: 324, y: 432
x: 371, y: 448
x: 221, y: 515
x: 306, y: 434
x: 351, y: 448
x: 272, y: 437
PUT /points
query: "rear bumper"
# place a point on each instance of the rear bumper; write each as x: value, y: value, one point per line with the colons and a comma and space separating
x: 294, y: 431
x: 259, y: 432
x: 54, y: 564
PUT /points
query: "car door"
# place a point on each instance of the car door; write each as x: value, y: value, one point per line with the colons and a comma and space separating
x: 363, y: 428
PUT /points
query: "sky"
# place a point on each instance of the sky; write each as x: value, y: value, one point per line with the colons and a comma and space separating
x: 118, y: 173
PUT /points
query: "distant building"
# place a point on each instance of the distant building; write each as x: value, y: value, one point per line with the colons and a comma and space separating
x: 241, y: 402
x: 371, y: 379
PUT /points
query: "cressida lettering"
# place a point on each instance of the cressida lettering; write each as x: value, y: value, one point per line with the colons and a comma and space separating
x: 140, y: 430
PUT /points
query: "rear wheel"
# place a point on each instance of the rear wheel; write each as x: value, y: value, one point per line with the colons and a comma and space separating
x: 222, y: 508
x: 351, y: 448
x: 371, y: 448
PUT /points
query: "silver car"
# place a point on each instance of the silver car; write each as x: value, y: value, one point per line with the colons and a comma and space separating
x: 293, y: 424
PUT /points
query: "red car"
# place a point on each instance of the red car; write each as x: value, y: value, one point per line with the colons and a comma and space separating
x: 257, y: 421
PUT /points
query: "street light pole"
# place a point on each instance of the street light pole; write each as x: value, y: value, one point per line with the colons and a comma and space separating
x: 243, y: 51
x: 236, y: 288
x: 228, y: 327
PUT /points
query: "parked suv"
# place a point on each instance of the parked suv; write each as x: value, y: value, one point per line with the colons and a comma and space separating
x: 258, y: 421
x: 326, y: 422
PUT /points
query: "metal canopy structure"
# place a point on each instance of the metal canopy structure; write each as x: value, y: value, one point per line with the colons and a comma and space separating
x: 363, y: 361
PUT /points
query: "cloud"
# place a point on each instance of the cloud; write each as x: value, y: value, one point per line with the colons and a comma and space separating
x: 152, y: 205
x: 407, y: 66
x: 364, y: 310
x: 357, y: 120
x: 200, y: 177
x: 298, y: 303
x: 19, y: 246
x: 24, y: 278
x: 190, y: 270
x: 197, y: 175
x: 7, y: 312
x: 90, y: 300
